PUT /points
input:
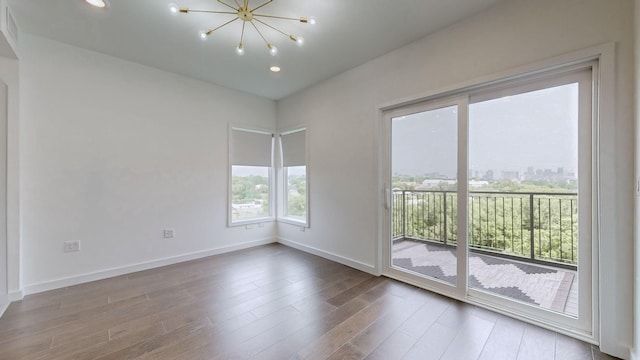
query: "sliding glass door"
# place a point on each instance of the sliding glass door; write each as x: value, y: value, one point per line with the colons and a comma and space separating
x: 490, y: 196
x: 427, y: 243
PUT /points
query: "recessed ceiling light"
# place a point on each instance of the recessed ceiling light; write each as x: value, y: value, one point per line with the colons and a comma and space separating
x: 97, y: 3
x: 275, y: 69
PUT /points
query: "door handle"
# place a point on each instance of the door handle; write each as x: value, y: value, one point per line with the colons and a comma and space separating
x: 387, y: 199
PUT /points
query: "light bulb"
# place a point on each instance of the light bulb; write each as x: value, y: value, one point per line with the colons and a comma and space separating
x: 174, y: 9
x: 203, y: 34
x: 240, y: 50
x: 311, y: 20
x: 299, y: 41
x: 272, y: 50
x: 97, y: 3
x: 275, y: 69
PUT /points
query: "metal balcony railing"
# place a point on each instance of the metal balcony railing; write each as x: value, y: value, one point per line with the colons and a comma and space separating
x: 541, y: 227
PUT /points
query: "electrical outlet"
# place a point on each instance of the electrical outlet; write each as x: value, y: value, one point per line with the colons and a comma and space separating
x: 169, y: 233
x: 71, y: 246
x: 302, y: 229
x: 249, y: 226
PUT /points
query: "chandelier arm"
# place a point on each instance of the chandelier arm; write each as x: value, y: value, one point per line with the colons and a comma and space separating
x: 259, y: 33
x: 278, y: 17
x: 246, y: 4
x: 225, y: 24
x: 266, y: 3
x: 273, y: 27
x: 229, y: 6
x: 238, y: 4
x: 211, y: 12
x: 242, y: 33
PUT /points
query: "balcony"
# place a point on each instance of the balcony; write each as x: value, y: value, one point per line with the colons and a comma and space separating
x: 521, y: 245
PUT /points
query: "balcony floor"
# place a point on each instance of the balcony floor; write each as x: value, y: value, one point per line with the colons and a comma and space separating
x: 544, y: 286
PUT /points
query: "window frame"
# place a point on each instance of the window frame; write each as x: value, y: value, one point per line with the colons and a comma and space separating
x: 283, y: 191
x: 271, y: 178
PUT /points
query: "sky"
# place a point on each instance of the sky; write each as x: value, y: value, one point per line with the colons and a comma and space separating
x: 537, y: 129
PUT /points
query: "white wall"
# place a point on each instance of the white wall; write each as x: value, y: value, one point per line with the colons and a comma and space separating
x: 342, y: 115
x: 112, y: 152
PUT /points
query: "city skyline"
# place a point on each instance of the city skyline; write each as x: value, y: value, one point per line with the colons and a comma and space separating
x: 530, y: 173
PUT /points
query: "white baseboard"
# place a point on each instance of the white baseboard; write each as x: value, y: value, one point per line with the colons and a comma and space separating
x: 4, y: 304
x: 331, y: 256
x: 104, y: 274
x: 16, y: 295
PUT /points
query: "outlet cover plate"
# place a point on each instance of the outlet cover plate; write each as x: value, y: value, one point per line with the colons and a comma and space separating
x: 169, y: 233
x: 71, y: 246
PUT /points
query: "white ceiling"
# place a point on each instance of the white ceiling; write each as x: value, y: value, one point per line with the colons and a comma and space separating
x: 348, y: 33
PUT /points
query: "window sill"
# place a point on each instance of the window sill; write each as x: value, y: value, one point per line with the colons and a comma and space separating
x: 254, y: 221
x: 293, y: 221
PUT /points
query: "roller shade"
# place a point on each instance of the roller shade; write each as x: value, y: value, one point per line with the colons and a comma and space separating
x: 251, y: 148
x: 294, y: 148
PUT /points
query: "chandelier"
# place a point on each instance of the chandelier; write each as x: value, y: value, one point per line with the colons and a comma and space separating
x: 249, y: 16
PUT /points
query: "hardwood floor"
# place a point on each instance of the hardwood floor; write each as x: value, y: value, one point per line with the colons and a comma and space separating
x: 268, y: 302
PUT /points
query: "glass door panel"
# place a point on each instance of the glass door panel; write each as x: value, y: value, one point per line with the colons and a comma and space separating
x: 523, y: 197
x: 424, y: 200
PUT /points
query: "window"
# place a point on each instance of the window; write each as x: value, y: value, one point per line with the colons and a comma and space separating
x: 295, y: 198
x: 250, y: 189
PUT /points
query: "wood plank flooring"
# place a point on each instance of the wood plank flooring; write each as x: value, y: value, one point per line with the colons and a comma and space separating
x: 268, y: 302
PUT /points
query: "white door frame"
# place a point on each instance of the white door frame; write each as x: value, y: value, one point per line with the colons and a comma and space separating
x: 604, y: 74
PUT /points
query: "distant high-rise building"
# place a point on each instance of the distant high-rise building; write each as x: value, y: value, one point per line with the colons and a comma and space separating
x: 511, y: 175
x: 488, y: 175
